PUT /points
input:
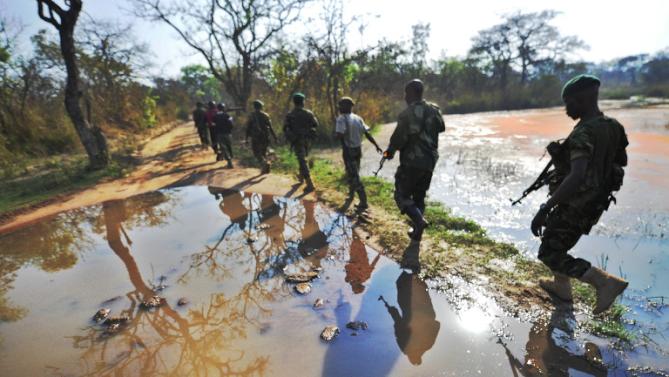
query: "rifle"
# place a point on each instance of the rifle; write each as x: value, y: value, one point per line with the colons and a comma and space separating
x: 383, y: 161
x: 543, y: 179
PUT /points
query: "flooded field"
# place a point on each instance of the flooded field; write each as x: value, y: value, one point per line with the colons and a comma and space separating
x: 488, y: 158
x: 219, y: 260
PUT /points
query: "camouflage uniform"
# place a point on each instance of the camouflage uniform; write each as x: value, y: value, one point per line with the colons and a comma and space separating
x: 602, y: 141
x: 259, y: 128
x: 300, y: 129
x: 416, y: 137
x: 223, y: 128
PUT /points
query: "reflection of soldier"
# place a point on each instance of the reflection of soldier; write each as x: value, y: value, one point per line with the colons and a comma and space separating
x: 270, y: 214
x: 416, y: 328
x: 232, y: 205
x: 358, y: 269
x: 200, y: 121
x: 313, y: 245
x: 259, y: 128
x: 300, y: 129
x: 350, y: 128
x: 591, y: 161
x: 416, y: 137
x: 544, y: 357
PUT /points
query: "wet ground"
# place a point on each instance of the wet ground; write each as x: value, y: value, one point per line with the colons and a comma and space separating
x: 488, y: 158
x: 219, y: 259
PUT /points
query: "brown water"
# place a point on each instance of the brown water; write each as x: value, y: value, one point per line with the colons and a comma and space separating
x: 225, y: 252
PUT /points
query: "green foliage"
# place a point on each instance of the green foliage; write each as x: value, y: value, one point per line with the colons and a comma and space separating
x: 149, y: 118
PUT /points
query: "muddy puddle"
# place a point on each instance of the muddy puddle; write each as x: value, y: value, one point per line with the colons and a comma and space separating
x: 488, y: 158
x: 218, y: 260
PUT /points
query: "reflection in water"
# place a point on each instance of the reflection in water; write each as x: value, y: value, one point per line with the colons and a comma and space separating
x: 358, y: 268
x: 416, y: 327
x: 314, y: 243
x: 545, y: 357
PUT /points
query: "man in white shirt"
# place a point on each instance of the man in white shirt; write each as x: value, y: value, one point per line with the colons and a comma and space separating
x: 349, y: 129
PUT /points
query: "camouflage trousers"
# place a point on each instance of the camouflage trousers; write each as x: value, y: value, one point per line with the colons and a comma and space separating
x: 411, y: 185
x: 301, y: 149
x: 259, y: 148
x: 564, y: 227
x: 351, y: 158
x: 223, y: 145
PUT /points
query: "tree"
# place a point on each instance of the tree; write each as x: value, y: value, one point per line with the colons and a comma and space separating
x: 492, y: 48
x: 233, y: 36
x: 419, y: 47
x: 64, y: 20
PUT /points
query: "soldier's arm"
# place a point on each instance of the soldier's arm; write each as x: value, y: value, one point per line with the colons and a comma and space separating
x: 400, y: 135
x: 248, y: 129
x: 271, y: 130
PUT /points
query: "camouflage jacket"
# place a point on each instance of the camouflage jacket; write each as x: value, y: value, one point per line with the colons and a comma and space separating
x: 259, y: 126
x: 602, y: 140
x: 300, y: 123
x: 416, y: 136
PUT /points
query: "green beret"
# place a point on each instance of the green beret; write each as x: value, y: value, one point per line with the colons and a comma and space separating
x: 348, y: 100
x: 578, y: 83
x: 258, y: 103
x: 299, y: 95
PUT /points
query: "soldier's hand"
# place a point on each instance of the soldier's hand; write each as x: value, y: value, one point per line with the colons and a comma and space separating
x: 388, y: 155
x: 538, y: 222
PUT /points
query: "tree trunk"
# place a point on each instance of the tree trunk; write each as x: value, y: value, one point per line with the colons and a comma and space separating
x: 94, y: 141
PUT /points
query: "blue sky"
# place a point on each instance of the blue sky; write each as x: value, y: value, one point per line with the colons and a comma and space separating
x: 611, y: 28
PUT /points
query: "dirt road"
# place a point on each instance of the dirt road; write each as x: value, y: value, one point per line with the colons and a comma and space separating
x: 172, y: 159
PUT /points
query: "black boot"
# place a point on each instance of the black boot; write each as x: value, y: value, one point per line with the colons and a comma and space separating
x: 419, y: 223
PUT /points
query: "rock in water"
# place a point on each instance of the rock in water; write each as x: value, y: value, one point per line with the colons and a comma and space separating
x: 318, y: 303
x: 357, y: 325
x: 329, y: 333
x: 301, y: 277
x: 117, y: 320
x: 153, y: 302
x: 101, y: 314
x: 303, y: 288
x: 182, y: 301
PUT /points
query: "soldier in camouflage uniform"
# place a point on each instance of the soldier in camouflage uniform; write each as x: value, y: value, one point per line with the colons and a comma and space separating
x: 591, y: 161
x: 259, y: 128
x: 200, y: 121
x: 299, y: 129
x: 416, y: 137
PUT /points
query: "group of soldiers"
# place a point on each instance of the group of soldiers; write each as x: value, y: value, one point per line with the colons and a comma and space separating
x: 588, y: 169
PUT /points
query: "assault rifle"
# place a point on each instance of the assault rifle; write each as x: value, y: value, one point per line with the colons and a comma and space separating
x: 542, y: 180
x: 383, y: 161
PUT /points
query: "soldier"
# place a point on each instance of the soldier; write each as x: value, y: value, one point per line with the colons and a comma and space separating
x: 299, y: 128
x: 590, y: 161
x: 416, y: 137
x: 209, y: 119
x: 259, y: 127
x: 350, y: 128
x: 223, y: 126
x: 200, y: 121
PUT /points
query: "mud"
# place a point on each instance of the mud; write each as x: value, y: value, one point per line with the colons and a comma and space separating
x: 242, y: 317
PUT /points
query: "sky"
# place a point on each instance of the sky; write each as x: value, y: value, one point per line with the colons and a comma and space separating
x: 611, y: 28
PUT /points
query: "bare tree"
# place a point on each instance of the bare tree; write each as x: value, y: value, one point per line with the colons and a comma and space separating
x: 233, y: 36
x: 64, y: 20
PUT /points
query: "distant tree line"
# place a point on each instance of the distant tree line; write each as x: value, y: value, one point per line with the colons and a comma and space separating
x: 521, y: 62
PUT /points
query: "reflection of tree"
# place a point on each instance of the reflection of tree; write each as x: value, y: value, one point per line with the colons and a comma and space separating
x: 543, y: 356
x: 416, y: 327
x: 163, y: 342
x: 51, y: 246
x: 144, y: 210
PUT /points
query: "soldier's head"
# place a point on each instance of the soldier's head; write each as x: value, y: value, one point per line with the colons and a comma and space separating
x: 211, y: 105
x: 257, y: 104
x: 298, y: 99
x: 199, y: 104
x: 413, y: 91
x: 346, y: 105
x: 580, y: 95
x: 221, y: 106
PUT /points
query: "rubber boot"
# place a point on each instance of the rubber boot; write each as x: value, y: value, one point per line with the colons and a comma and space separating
x: 608, y: 287
x: 362, y: 206
x: 419, y: 223
x: 560, y: 286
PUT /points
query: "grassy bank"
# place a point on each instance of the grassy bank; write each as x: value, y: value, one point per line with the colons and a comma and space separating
x: 452, y: 246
